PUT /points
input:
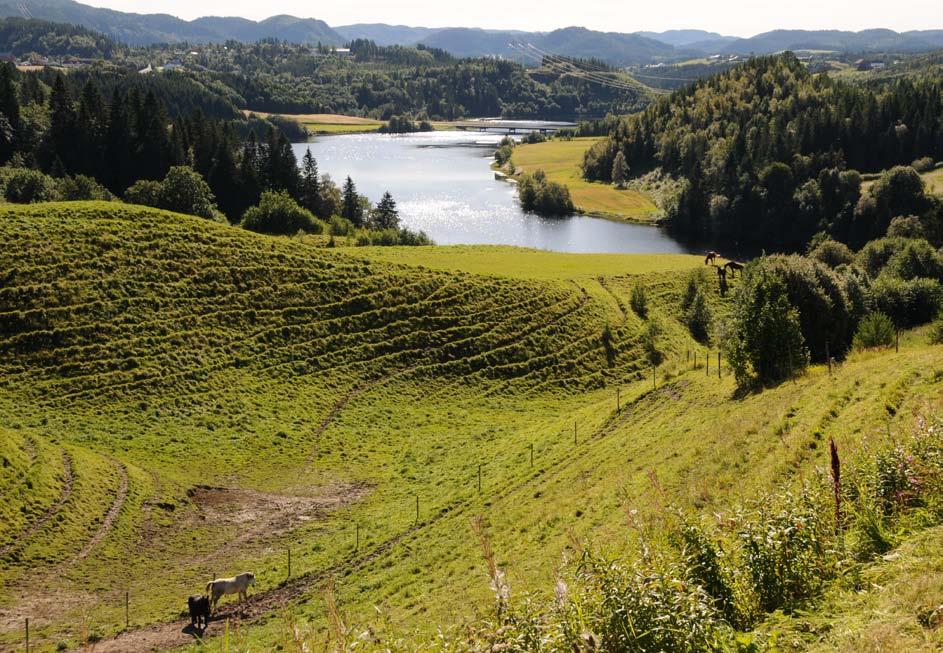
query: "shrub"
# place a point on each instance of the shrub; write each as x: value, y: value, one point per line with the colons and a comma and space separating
x: 923, y: 164
x: 703, y: 559
x: 503, y: 154
x: 832, y: 253
x: 279, y: 213
x: 826, y: 314
x: 638, y: 300
x: 905, y: 226
x: 786, y: 552
x: 915, y: 258
x: 694, y: 308
x: 936, y: 330
x: 907, y: 302
x: 650, y: 342
x: 25, y: 186
x: 81, y: 187
x: 539, y: 195
x: 182, y: 190
x: 392, y: 237
x: 764, y: 343
x: 875, y: 330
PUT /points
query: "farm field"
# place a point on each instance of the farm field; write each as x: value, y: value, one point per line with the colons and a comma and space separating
x: 561, y: 160
x: 210, y: 399
x: 330, y: 123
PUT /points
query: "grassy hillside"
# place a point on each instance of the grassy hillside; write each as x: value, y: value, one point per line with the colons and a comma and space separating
x: 209, y: 398
x: 561, y: 161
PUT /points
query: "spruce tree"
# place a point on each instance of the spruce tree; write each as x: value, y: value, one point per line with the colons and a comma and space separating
x: 385, y: 215
x: 350, y: 203
x: 310, y: 184
x: 60, y: 139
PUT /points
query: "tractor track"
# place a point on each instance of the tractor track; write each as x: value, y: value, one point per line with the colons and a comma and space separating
x: 51, y: 511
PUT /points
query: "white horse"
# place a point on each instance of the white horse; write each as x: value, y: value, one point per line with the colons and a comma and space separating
x: 223, y: 586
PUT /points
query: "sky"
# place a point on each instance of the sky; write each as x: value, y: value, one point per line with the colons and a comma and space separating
x: 730, y: 17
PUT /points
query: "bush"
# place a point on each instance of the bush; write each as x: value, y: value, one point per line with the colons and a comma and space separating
x: 915, y: 258
x: 81, y: 187
x: 905, y: 226
x: 539, y: 195
x: 638, y: 300
x: 826, y: 313
x: 936, y: 330
x: 279, y: 213
x: 392, y: 237
x: 907, y: 302
x: 875, y: 330
x: 764, y: 343
x: 26, y: 186
x: 923, y: 164
x: 694, y: 308
x: 182, y: 190
x: 832, y: 253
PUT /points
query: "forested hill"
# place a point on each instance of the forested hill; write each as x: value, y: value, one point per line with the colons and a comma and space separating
x: 763, y: 150
x: 21, y: 36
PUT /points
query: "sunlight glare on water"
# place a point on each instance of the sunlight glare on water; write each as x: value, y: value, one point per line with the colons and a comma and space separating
x: 443, y: 185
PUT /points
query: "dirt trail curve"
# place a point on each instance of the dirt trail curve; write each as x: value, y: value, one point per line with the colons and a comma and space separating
x: 110, y: 516
x: 50, y: 511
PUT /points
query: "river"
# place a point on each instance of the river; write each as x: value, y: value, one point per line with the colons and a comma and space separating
x: 443, y: 184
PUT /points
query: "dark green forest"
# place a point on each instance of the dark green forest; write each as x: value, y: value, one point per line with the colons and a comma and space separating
x: 767, y: 153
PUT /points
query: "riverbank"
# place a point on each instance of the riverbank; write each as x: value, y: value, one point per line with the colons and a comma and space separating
x: 336, y: 123
x: 561, y: 159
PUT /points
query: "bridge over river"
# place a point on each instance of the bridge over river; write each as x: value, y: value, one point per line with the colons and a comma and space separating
x: 513, y: 126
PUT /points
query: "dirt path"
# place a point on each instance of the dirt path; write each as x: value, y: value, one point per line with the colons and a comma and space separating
x: 110, y: 516
x: 50, y: 511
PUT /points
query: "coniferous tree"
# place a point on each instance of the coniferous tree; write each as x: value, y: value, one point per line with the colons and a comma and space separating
x: 90, y: 125
x: 351, y: 208
x: 385, y: 215
x: 60, y: 139
x: 310, y: 184
x: 117, y: 148
x: 154, y: 154
x: 224, y: 182
x: 10, y: 111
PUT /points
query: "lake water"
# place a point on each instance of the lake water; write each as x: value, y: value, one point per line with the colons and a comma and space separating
x: 443, y: 185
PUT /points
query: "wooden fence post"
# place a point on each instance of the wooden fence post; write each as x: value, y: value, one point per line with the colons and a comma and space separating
x: 127, y: 610
x: 27, y: 634
x: 289, y: 562
x: 357, y: 541
x: 479, y: 478
x: 574, y: 431
x: 897, y: 341
x: 707, y: 364
x: 417, y: 508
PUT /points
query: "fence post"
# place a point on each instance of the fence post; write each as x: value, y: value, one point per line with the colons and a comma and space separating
x: 574, y: 431
x: 718, y: 364
x: 618, y: 399
x: 694, y: 366
x: 707, y: 364
x: 289, y: 562
x: 897, y: 341
x: 531, y: 454
x: 27, y: 634
x: 479, y: 478
x: 654, y: 383
x: 357, y: 541
x: 127, y: 610
x: 417, y: 508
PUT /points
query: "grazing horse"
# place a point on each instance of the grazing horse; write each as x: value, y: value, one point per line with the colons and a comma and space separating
x: 709, y: 259
x: 199, y: 611
x: 732, y: 266
x: 235, y: 585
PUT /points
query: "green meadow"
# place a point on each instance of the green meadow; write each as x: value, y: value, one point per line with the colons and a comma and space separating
x: 181, y: 400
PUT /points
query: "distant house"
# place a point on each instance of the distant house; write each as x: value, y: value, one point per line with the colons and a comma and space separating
x: 342, y: 52
x: 146, y: 71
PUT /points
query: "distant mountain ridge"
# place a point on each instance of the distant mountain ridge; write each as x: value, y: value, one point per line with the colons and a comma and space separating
x: 614, y: 47
x: 145, y: 29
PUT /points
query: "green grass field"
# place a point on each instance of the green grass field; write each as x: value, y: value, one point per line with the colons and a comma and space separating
x: 933, y: 180
x: 209, y: 398
x: 561, y: 161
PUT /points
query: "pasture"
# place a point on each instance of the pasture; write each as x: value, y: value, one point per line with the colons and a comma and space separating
x: 561, y: 160
x: 210, y: 399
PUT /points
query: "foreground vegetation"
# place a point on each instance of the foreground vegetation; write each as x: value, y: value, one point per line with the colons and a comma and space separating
x: 211, y: 397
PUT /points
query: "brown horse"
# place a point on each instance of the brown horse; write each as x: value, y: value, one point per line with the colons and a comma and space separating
x: 732, y: 266
x: 709, y: 259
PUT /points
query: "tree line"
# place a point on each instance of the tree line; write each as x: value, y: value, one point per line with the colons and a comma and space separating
x: 766, y: 153
x: 128, y: 146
